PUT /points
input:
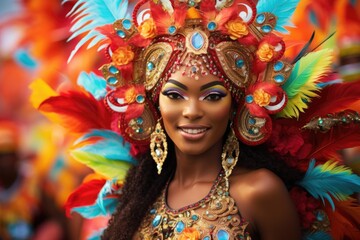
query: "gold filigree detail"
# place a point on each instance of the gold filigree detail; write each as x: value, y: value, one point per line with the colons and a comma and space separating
x: 156, y: 58
x: 235, y: 61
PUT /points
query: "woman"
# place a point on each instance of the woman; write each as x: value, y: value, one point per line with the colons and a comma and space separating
x: 196, y: 114
x: 200, y: 82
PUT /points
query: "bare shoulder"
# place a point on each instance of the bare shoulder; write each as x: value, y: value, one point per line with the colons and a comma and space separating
x: 263, y: 199
x: 255, y: 184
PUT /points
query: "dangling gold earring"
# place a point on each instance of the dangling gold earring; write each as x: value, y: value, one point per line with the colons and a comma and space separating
x: 230, y: 155
x: 158, y: 146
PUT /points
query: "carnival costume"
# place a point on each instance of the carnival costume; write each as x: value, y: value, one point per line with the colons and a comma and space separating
x: 289, y: 105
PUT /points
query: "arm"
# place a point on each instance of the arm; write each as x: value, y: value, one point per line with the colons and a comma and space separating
x: 265, y: 201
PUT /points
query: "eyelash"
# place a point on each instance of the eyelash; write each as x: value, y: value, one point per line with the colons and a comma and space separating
x: 175, y: 95
x: 210, y: 96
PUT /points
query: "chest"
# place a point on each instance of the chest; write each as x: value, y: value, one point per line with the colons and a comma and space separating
x: 214, y: 217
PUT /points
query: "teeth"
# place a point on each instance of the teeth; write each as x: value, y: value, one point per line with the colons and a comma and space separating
x: 194, y: 131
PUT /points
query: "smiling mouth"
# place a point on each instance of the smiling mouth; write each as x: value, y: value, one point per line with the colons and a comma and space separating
x: 193, y: 130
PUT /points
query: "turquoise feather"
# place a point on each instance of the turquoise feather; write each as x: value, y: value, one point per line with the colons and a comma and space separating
x: 110, y: 146
x: 93, y: 84
x: 329, y: 180
x: 318, y: 235
x: 282, y: 9
x: 94, y: 211
x: 90, y: 14
x: 106, y: 190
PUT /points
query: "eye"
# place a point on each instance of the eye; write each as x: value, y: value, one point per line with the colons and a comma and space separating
x: 175, y: 95
x: 213, y: 96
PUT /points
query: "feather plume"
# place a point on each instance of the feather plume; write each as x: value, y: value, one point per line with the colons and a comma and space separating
x: 106, y: 143
x: 301, y: 85
x: 327, y: 145
x: 40, y: 91
x: 93, y: 84
x: 282, y: 9
x: 333, y: 98
x: 90, y: 14
x: 109, y: 190
x: 330, y: 180
x: 345, y: 221
x: 85, y: 195
x: 93, y: 211
x: 77, y: 111
x: 318, y: 235
x: 106, y: 167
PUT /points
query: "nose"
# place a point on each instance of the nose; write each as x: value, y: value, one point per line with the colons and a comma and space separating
x: 192, y: 109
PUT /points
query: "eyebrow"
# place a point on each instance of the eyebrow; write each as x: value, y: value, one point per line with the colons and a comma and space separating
x: 180, y: 85
x: 203, y: 87
x: 211, y: 84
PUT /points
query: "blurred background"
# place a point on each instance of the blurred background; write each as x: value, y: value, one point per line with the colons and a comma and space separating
x: 37, y: 174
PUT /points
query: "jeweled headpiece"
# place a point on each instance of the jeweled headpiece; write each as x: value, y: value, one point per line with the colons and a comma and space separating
x: 226, y: 38
x: 232, y: 39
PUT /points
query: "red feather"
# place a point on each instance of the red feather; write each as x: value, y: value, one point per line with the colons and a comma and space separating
x: 79, y: 111
x: 345, y: 221
x: 84, y: 195
x: 334, y: 98
x: 326, y: 145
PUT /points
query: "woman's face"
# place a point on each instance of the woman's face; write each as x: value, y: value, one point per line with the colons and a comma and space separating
x: 195, y: 113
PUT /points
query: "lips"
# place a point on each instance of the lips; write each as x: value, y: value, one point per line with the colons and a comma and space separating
x: 193, y: 133
x: 193, y: 130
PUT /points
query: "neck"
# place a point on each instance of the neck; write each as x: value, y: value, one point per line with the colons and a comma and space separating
x: 205, y: 167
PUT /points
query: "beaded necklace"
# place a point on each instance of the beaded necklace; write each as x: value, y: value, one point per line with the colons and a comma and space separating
x: 213, y: 217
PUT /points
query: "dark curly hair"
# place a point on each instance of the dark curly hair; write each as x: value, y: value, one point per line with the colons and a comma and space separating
x: 143, y: 186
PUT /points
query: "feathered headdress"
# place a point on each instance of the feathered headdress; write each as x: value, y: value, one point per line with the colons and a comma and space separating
x: 293, y: 107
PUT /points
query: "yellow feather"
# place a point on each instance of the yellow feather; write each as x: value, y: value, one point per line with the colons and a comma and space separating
x: 303, y: 81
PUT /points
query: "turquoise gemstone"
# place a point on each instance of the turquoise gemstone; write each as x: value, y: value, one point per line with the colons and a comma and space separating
x: 191, y: 3
x: 140, y: 98
x: 112, y: 81
x: 197, y: 41
x: 260, y: 18
x: 139, y: 120
x: 121, y: 33
x: 239, y: 63
x: 266, y: 28
x: 150, y: 66
x: 152, y: 211
x: 278, y: 66
x: 320, y: 216
x: 279, y: 78
x: 172, y: 29
x: 156, y: 221
x: 139, y: 130
x: 223, y: 235
x: 195, y: 217
x: 113, y: 70
x: 126, y: 24
x: 249, y: 98
x: 206, y: 238
x: 252, y: 121
x: 180, y: 226
x: 212, y: 26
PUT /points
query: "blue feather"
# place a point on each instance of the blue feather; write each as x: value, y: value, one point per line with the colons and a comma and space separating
x: 328, y: 180
x: 97, y: 234
x: 106, y: 190
x: 90, y: 14
x: 94, y: 211
x: 111, y: 146
x: 318, y: 235
x: 24, y: 58
x: 282, y: 9
x: 93, y: 84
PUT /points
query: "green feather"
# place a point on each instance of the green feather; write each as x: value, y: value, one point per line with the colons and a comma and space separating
x: 301, y: 85
x: 108, y: 168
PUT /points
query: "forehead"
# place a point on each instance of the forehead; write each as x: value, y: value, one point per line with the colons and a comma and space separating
x: 183, y: 77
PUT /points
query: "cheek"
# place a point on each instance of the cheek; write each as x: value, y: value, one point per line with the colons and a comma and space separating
x: 221, y: 111
x: 168, y: 111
